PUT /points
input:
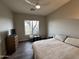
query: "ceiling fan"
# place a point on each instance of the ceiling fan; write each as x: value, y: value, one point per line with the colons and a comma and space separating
x: 36, y: 5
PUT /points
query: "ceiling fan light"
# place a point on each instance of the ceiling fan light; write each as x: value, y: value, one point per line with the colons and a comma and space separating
x: 37, y: 7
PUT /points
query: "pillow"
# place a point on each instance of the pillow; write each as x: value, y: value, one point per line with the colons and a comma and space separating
x: 60, y: 37
x: 72, y: 41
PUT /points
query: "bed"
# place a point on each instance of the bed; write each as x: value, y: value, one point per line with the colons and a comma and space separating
x: 54, y: 49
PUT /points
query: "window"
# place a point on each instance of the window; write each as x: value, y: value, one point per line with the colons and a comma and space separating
x: 31, y: 27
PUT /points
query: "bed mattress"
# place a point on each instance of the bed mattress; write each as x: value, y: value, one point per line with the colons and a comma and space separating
x: 54, y: 49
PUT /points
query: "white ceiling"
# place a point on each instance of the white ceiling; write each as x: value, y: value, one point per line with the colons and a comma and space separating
x: 47, y: 6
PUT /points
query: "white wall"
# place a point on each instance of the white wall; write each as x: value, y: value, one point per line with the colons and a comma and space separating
x: 6, y: 23
x: 19, y: 24
x: 65, y: 20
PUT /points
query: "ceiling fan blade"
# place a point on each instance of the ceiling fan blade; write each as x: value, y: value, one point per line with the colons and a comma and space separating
x: 45, y: 3
x: 30, y: 2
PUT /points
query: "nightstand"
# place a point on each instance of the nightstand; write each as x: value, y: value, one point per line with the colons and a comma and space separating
x: 49, y: 37
x: 35, y: 38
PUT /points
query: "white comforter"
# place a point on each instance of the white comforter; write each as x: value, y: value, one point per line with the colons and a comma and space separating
x: 54, y: 49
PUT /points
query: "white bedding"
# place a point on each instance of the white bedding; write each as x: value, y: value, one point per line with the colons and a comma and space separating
x: 54, y: 49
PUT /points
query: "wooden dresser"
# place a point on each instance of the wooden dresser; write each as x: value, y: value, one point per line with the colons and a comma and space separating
x: 11, y: 44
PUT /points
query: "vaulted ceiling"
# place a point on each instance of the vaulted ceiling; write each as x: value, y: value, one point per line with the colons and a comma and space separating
x: 47, y: 6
